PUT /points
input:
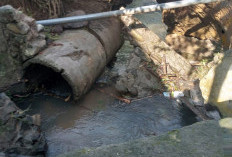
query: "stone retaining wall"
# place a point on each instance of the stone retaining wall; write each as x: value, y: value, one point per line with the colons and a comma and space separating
x: 19, y: 41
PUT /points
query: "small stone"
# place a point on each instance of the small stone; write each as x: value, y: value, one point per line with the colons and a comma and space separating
x: 40, y: 28
x: 24, y: 28
x: 57, y: 29
x: 13, y: 27
x: 7, y: 14
x: 75, y: 24
x: 20, y: 28
x: 34, y: 48
x: 213, y: 114
x: 27, y: 19
x: 218, y: 57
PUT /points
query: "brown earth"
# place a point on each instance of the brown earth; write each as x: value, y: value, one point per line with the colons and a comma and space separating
x: 43, y: 9
x: 203, y: 21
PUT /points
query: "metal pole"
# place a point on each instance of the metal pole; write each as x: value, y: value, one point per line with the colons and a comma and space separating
x: 143, y: 9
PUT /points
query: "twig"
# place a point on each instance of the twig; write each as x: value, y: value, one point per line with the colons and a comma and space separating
x: 168, y: 75
x: 164, y: 65
x: 134, y: 100
x: 21, y: 96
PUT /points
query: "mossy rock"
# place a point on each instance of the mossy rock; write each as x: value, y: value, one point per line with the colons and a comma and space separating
x: 207, y: 138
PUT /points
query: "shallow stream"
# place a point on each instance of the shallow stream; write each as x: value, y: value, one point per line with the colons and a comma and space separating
x: 99, y: 119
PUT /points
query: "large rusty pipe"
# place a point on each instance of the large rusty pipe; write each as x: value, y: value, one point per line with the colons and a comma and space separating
x: 131, y: 11
x: 81, y: 55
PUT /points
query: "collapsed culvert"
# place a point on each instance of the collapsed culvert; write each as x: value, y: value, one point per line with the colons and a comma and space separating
x: 77, y: 58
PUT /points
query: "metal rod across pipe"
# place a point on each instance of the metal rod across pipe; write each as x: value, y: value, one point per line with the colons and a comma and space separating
x: 143, y: 9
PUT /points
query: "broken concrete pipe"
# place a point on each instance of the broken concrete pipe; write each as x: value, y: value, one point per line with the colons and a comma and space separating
x: 79, y: 56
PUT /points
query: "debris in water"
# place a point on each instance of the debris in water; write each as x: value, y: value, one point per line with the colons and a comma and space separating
x: 67, y: 99
x: 167, y: 94
x: 174, y: 94
x: 177, y: 94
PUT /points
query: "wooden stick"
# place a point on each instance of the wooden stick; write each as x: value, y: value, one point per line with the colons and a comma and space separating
x: 164, y: 65
x: 134, y: 100
x: 194, y: 109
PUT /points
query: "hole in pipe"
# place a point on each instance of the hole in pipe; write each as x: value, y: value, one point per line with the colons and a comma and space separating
x: 45, y: 79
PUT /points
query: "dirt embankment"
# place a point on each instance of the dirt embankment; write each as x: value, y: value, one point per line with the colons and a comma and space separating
x: 43, y: 9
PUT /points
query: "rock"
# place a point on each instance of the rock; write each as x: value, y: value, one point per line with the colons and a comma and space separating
x: 120, y: 65
x: 57, y: 29
x: 19, y: 40
x: 137, y: 80
x: 216, y: 85
x: 10, y: 70
x: 15, y: 28
x: 76, y: 24
x: 196, y: 94
x: 34, y: 47
x: 213, y: 114
x: 19, y: 135
x: 216, y: 60
x: 218, y: 57
x: 203, y: 21
x: 6, y: 108
x: 191, y: 48
x: 207, y: 138
x: 7, y: 14
x: 40, y: 28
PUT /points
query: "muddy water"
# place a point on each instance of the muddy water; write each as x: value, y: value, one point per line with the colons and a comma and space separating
x: 98, y: 119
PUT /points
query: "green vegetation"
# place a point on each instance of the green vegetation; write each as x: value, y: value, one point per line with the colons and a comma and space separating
x: 49, y: 35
